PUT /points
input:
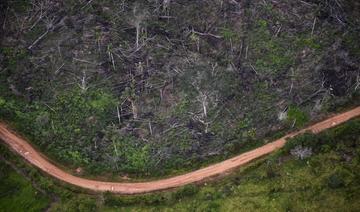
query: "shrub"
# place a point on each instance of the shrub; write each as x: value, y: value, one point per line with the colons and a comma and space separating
x: 2, y: 102
x: 79, y: 204
x: 298, y: 116
x: 335, y: 181
x: 186, y: 191
x: 228, y: 34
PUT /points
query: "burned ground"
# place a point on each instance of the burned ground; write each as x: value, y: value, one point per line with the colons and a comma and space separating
x: 151, y: 87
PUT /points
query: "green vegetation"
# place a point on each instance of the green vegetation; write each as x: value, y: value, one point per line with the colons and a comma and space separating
x: 273, y: 55
x: 155, y: 88
x: 229, y: 35
x: 297, y: 117
x: 326, y: 178
x: 17, y: 193
x: 67, y: 122
x: 133, y: 157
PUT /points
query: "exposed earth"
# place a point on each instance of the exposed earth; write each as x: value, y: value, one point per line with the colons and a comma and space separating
x: 23, y: 148
x: 151, y: 88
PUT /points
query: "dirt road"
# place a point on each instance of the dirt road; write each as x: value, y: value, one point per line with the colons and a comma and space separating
x: 22, y: 147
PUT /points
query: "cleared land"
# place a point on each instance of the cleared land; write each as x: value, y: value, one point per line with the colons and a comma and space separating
x: 22, y: 147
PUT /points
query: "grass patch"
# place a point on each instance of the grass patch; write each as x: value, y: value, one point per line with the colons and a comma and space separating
x: 17, y: 193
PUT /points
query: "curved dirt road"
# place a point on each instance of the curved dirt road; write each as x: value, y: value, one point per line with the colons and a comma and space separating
x: 22, y: 147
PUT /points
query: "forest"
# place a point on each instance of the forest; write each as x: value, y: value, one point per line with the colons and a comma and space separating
x: 149, y: 88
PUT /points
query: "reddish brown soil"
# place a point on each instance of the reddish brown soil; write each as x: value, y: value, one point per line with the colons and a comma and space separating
x: 22, y: 147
